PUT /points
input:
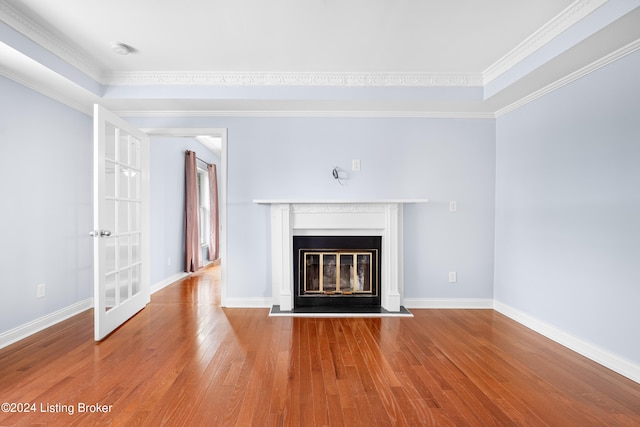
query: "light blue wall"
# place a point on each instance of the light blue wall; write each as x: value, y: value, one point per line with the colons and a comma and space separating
x: 568, y: 208
x: 167, y: 202
x: 292, y: 158
x: 46, y: 214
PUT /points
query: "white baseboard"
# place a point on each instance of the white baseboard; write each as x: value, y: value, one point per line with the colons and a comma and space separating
x: 166, y: 282
x: 30, y: 328
x: 603, y: 357
x: 486, y: 303
x: 248, y: 302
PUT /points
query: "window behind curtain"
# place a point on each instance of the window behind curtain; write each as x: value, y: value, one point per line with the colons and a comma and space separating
x: 203, y: 198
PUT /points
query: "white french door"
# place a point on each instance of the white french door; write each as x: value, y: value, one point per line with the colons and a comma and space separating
x: 121, y: 221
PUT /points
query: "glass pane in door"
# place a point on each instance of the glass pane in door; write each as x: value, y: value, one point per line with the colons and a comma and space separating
x: 123, y: 252
x: 110, y: 142
x: 135, y: 217
x: 123, y: 217
x: 135, y: 249
x: 123, y: 147
x: 135, y: 279
x: 124, y: 284
x: 123, y: 182
x: 110, y: 255
x: 134, y: 152
x: 110, y: 179
x: 110, y: 291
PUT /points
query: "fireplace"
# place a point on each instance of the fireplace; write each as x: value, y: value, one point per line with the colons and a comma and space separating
x: 294, y: 218
x: 336, y: 271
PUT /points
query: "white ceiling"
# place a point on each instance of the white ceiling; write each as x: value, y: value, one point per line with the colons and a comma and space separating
x: 388, y: 46
x: 294, y: 35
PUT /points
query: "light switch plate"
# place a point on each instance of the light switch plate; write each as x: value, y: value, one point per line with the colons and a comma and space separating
x: 40, y: 290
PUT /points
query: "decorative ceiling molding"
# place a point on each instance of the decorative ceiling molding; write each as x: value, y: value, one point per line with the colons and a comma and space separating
x: 48, y: 40
x: 596, y: 65
x: 23, y: 24
x: 56, y: 95
x: 298, y: 113
x: 574, y: 13
x: 571, y: 15
x: 188, y: 78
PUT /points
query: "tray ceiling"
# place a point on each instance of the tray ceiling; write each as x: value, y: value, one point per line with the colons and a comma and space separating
x: 466, y: 47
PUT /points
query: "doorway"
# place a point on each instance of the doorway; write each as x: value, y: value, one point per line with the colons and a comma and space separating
x: 206, y: 137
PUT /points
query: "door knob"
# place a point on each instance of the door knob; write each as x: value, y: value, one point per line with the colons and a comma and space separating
x: 100, y: 233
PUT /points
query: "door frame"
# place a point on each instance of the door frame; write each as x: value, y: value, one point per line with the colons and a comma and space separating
x: 222, y: 207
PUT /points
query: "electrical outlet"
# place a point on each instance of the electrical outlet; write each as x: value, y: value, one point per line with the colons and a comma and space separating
x: 169, y: 262
x: 453, y: 206
x: 40, y: 290
x: 453, y: 277
x: 355, y: 165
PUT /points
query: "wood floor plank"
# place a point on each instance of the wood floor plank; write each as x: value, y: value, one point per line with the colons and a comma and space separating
x: 184, y: 360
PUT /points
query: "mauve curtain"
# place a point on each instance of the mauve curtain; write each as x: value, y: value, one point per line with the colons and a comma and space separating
x: 192, y: 238
x: 213, y: 204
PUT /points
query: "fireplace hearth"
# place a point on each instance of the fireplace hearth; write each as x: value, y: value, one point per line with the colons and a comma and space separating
x: 336, y: 271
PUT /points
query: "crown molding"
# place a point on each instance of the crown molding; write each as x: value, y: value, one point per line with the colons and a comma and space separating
x: 574, y: 13
x: 48, y: 40
x: 36, y: 32
x: 192, y: 78
x: 85, y: 108
x: 315, y: 114
x: 590, y: 68
x: 56, y: 95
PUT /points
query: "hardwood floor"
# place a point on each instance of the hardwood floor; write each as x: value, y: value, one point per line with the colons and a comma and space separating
x: 183, y: 360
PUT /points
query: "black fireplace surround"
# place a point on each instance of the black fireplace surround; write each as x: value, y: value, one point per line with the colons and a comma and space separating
x: 336, y: 271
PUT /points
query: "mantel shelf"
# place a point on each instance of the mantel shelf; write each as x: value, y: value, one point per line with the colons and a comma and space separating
x: 333, y: 202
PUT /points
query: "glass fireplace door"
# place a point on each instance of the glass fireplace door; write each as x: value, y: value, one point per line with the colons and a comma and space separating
x: 341, y: 273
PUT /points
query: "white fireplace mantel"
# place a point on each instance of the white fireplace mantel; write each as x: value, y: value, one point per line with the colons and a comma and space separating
x: 333, y: 218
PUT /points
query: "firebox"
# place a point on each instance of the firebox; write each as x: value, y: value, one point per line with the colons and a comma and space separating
x: 336, y: 271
